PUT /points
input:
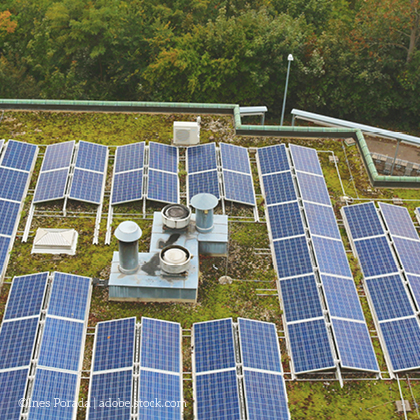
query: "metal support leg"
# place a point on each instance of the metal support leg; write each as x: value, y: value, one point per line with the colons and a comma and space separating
x: 395, y: 157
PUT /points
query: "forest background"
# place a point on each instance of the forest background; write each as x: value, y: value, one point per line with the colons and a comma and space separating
x: 354, y: 59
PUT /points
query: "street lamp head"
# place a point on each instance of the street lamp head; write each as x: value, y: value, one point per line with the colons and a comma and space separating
x: 290, y: 57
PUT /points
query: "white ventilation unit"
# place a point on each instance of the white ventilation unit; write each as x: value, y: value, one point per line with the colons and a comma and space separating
x: 186, y: 133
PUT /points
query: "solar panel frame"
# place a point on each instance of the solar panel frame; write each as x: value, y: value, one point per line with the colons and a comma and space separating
x: 51, y: 185
x: 12, y: 389
x: 162, y: 186
x: 58, y: 156
x: 408, y: 252
x: 19, y: 155
x: 127, y: 187
x: 13, y: 184
x: 238, y: 187
x: 285, y: 220
x: 414, y: 282
x: 273, y: 159
x: 163, y: 157
x: 129, y: 157
x: 305, y: 159
x: 398, y: 221
x: 321, y: 220
x: 92, y: 157
x: 5, y: 246
x: 201, y: 158
x: 313, y: 188
x: 9, y: 212
x: 235, y: 158
x: 363, y: 220
x: 87, y: 186
x: 203, y: 182
x: 278, y: 188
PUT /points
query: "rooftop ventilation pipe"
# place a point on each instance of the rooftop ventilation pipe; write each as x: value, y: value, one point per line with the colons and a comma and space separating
x: 204, y: 205
x: 128, y: 235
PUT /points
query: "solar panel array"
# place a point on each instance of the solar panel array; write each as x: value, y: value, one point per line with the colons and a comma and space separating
x: 163, y: 182
x: 389, y: 298
x: 237, y: 176
x: 55, y: 169
x: 16, y: 165
x: 89, y: 173
x: 349, y: 327
x: 302, y: 309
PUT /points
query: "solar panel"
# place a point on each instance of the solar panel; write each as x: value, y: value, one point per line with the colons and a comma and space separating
x: 300, y: 298
x: 26, y: 296
x: 331, y: 256
x: 354, y: 345
x: 273, y: 159
x: 17, y: 340
x: 12, y: 184
x: 112, y: 386
x: 163, y: 187
x: 409, y: 254
x: 363, y: 220
x: 415, y: 287
x: 305, y: 159
x: 375, y: 256
x: 342, y: 299
x: 4, y: 251
x: 238, y: 187
x: 402, y: 338
x: 398, y: 221
x: 313, y: 188
x: 61, y: 344
x: 19, y: 155
x: 201, y: 158
x: 213, y: 345
x: 285, y: 220
x: 129, y: 157
x: 160, y: 345
x: 58, y: 156
x: 292, y: 257
x: 310, y: 346
x: 389, y: 297
x: 9, y: 212
x: 265, y: 396
x: 235, y: 158
x: 92, y: 156
x: 217, y: 396
x: 87, y: 186
x: 51, y: 185
x: 69, y: 296
x: 259, y: 345
x: 321, y: 220
x: 53, y: 386
x: 279, y: 188
x: 114, y: 347
x: 127, y: 187
x: 163, y: 157
x: 12, y: 390
x: 203, y: 182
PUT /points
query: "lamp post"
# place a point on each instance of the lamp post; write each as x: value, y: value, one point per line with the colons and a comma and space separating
x: 289, y: 59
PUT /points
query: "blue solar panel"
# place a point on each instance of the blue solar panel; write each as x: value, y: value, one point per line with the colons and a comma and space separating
x: 389, y: 297
x: 163, y: 187
x: 273, y: 159
x: 163, y: 157
x: 26, y: 296
x: 292, y: 257
x: 235, y: 158
x: 58, y: 156
x: 203, y: 182
x: 113, y: 386
x: 4, y: 252
x: 129, y: 157
x: 162, y: 387
x: 305, y: 159
x: 279, y: 188
x: 12, y: 184
x: 9, y: 212
x: 342, y: 299
x: 331, y: 256
x: 409, y: 254
x: 12, y: 389
x: 239, y: 187
x: 354, y: 345
x: 265, y: 396
x: 19, y: 155
x: 87, y: 186
x: 259, y: 345
x: 213, y: 345
x: 321, y: 220
x: 201, y: 158
x: 217, y: 396
x: 313, y: 188
x: 69, y: 296
x: 17, y: 340
x: 51, y: 185
x: 300, y: 298
x: 402, y: 339
x: 285, y: 220
x: 128, y: 186
x: 61, y: 344
x: 160, y: 345
x: 114, y: 344
x: 53, y: 386
x: 91, y: 156
x: 415, y: 287
x: 363, y: 220
x: 310, y: 346
x: 375, y: 256
x: 398, y: 221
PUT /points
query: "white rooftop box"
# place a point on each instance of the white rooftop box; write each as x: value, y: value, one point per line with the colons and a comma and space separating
x: 186, y: 133
x: 55, y: 241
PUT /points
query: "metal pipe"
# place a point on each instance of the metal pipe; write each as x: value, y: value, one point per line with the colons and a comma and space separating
x: 289, y: 59
x: 395, y: 157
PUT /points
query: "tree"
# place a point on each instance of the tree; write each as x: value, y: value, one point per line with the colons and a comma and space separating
x: 7, y: 25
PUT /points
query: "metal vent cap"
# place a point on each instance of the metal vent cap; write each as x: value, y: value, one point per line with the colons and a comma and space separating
x: 174, y: 259
x: 176, y: 216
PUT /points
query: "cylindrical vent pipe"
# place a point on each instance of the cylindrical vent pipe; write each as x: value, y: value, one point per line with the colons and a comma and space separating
x: 204, y: 205
x: 128, y: 235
